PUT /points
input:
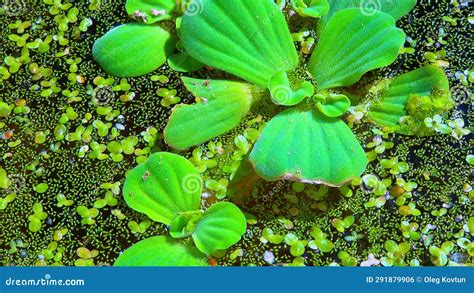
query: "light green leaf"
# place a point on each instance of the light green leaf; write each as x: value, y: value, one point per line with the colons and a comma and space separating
x: 221, y: 226
x: 161, y: 251
x: 393, y: 96
x: 334, y: 105
x: 306, y: 146
x: 165, y: 185
x: 150, y: 11
x: 353, y: 44
x: 5, y: 182
x: 391, y: 246
x: 470, y: 225
x: 283, y: 94
x: 133, y: 49
x: 182, y: 62
x: 34, y: 225
x: 396, y: 8
x: 324, y: 245
x: 311, y: 8
x: 221, y: 106
x: 185, y: 224
x: 247, y: 38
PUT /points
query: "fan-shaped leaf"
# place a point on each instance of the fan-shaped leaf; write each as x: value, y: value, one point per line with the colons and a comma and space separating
x: 306, y: 146
x: 221, y: 226
x: 161, y: 251
x: 396, y: 8
x: 390, y: 105
x: 150, y: 11
x: 221, y: 106
x: 133, y: 49
x: 165, y: 185
x: 247, y: 38
x: 353, y: 44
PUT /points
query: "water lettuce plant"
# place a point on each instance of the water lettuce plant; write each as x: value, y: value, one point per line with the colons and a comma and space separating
x: 251, y: 40
x: 167, y: 188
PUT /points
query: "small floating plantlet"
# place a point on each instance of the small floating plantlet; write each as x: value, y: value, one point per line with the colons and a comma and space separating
x: 167, y: 188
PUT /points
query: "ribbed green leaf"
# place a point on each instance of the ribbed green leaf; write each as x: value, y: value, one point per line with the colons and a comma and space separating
x: 150, y: 10
x: 306, y: 146
x: 247, y: 38
x: 391, y: 103
x: 161, y: 251
x: 396, y: 8
x: 353, y: 44
x: 165, y: 185
x: 133, y: 49
x: 221, y: 226
x: 221, y: 106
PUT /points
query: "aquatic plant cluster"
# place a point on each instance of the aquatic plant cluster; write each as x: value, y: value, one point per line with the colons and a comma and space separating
x: 223, y: 132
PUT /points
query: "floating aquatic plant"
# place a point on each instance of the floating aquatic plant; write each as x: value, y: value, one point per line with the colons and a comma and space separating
x: 167, y: 188
x: 315, y: 146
